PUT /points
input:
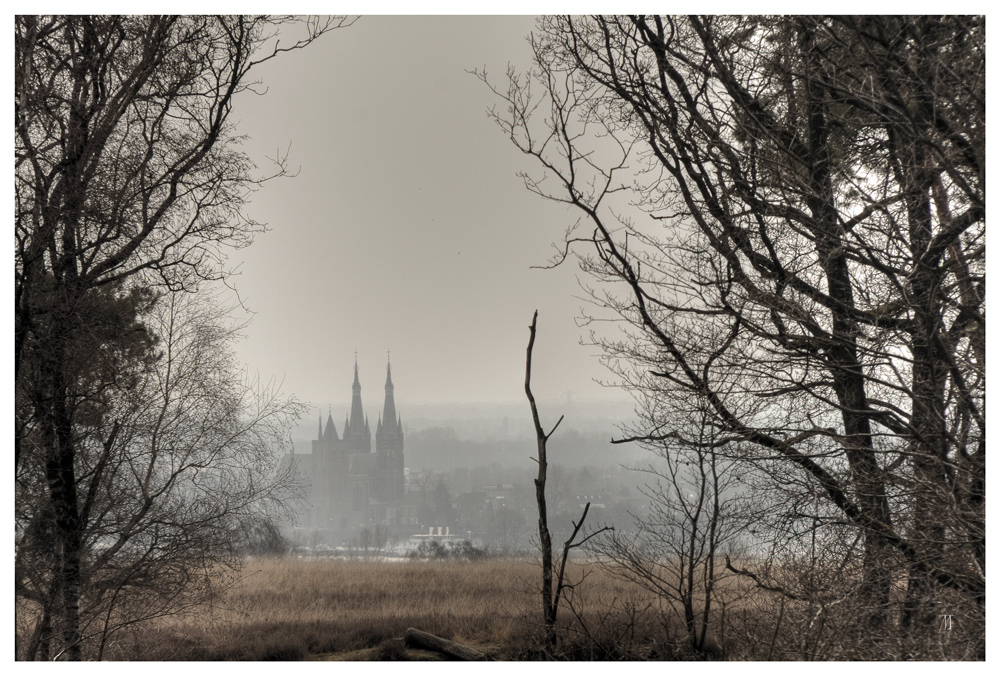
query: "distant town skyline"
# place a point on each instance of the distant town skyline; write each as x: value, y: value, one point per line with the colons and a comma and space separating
x: 407, y: 230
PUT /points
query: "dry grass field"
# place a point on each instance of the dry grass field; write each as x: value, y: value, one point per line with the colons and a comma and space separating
x: 326, y: 609
x: 290, y: 609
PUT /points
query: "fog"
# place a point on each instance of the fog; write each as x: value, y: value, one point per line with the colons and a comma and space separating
x: 406, y: 229
x: 408, y: 237
x: 443, y: 436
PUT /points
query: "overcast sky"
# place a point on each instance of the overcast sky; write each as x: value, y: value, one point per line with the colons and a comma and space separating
x: 407, y: 229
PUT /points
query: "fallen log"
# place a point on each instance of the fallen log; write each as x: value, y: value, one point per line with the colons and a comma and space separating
x: 414, y: 638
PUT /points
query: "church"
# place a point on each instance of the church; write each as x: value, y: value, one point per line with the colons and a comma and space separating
x: 348, y: 485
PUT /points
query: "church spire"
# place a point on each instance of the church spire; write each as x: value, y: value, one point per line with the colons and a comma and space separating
x: 358, y: 437
x: 389, y: 409
x: 389, y: 446
x: 357, y: 412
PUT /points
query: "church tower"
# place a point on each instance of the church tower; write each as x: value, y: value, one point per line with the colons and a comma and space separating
x: 329, y: 476
x: 350, y: 486
x: 389, y: 446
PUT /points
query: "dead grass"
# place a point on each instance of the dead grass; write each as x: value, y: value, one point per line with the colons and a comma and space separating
x: 296, y: 608
x: 291, y: 609
x: 321, y: 609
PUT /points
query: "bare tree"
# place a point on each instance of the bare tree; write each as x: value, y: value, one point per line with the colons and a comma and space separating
x: 553, y: 583
x: 128, y: 174
x: 794, y: 208
x: 170, y: 485
x: 372, y: 542
x: 700, y: 511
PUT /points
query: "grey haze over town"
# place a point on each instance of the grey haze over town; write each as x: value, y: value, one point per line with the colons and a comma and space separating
x: 407, y: 234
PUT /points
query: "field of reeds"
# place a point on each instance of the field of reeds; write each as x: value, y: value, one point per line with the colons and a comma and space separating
x: 328, y: 609
x: 291, y: 609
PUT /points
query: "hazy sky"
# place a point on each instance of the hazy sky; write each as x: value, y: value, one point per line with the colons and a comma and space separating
x: 407, y: 229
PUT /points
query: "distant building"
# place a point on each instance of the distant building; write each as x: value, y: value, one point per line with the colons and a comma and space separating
x: 349, y: 486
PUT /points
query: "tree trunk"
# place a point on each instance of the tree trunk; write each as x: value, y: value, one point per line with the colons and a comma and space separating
x: 421, y: 639
x: 549, y: 606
